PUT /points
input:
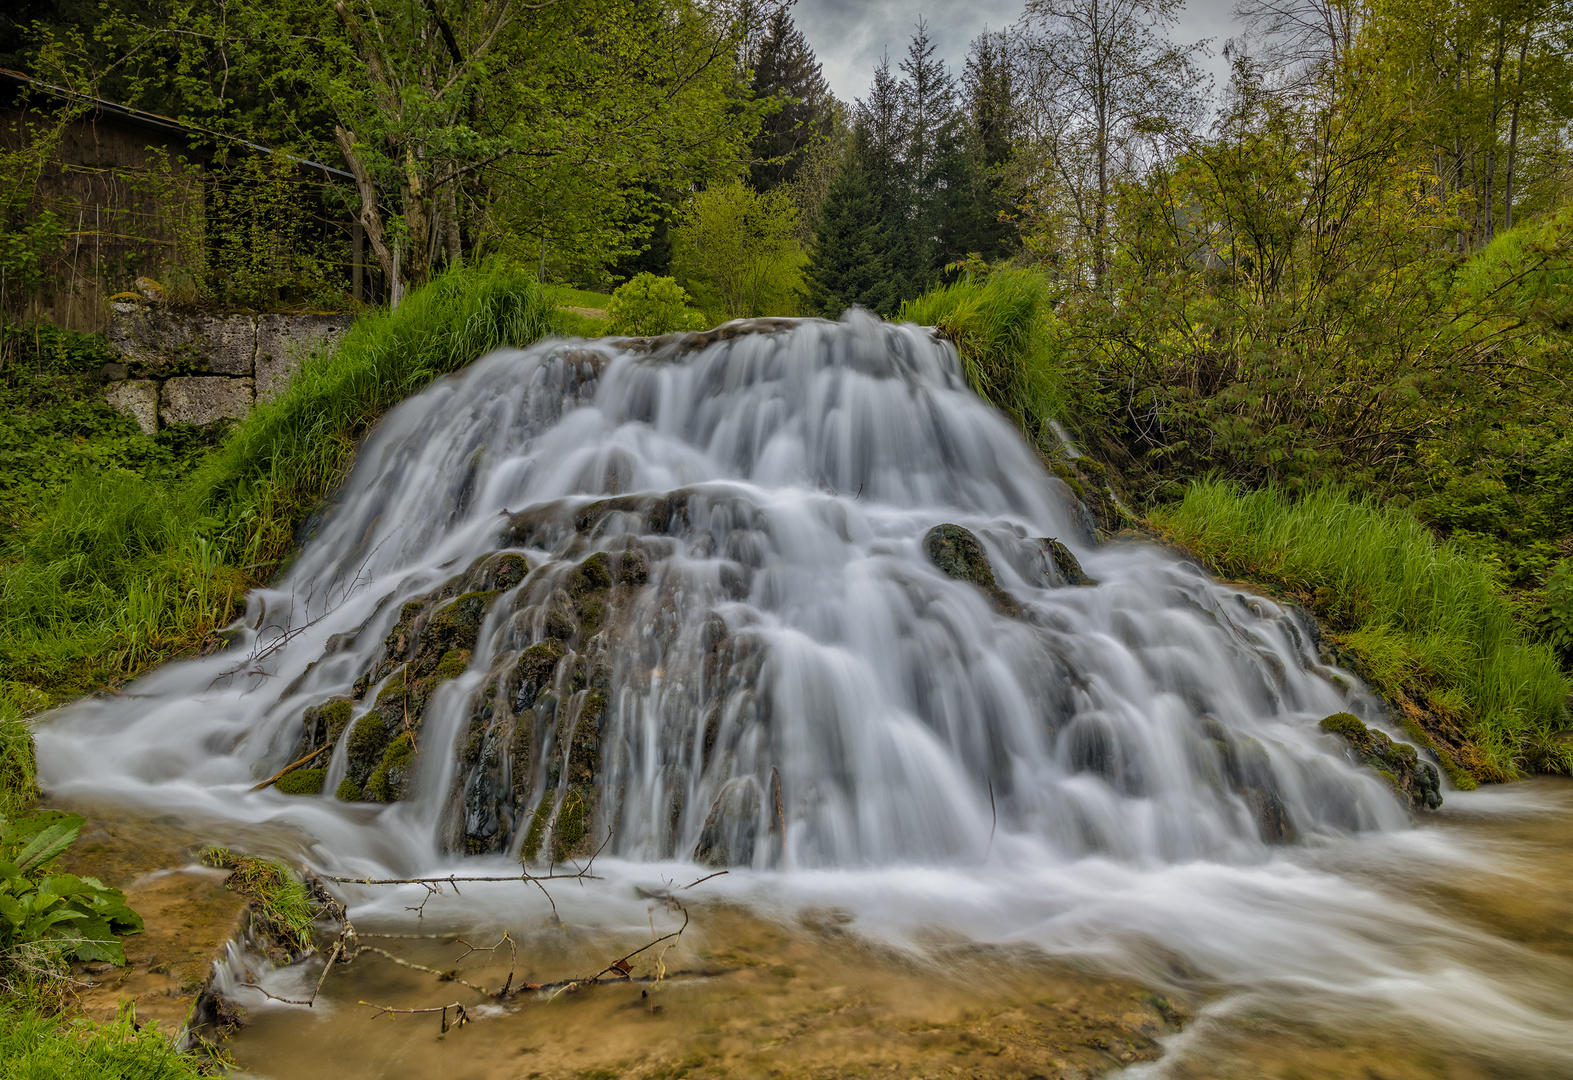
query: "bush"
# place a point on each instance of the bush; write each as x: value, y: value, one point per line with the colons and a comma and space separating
x: 1429, y: 625
x: 647, y: 305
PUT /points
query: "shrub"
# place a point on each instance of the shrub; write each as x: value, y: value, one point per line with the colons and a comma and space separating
x: 647, y: 305
x: 1430, y: 625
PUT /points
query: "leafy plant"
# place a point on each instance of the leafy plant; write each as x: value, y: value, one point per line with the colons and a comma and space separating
x: 647, y: 305
x: 1555, y: 618
x: 37, y: 1046
x: 81, y: 914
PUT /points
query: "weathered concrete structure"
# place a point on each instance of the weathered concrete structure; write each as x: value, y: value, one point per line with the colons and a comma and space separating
x: 192, y: 368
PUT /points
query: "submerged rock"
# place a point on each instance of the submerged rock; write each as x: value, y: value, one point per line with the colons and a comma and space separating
x: 1398, y: 763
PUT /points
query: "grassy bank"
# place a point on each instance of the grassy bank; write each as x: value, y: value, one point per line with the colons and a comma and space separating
x: 1427, y: 624
x: 35, y: 1045
x: 130, y: 566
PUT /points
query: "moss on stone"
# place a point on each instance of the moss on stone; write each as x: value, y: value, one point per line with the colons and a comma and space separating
x: 1065, y: 562
x: 537, y: 831
x: 302, y: 782
x: 451, y: 666
x: 589, y: 576
x: 960, y: 555
x: 390, y: 780
x: 572, y: 821
x: 349, y: 791
x: 533, y: 674
x: 1399, y: 764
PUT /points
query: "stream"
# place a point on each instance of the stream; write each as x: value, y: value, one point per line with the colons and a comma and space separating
x: 992, y: 798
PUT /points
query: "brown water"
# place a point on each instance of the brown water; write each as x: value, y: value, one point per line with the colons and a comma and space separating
x: 824, y: 993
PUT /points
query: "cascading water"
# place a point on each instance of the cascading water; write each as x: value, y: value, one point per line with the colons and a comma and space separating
x: 730, y: 638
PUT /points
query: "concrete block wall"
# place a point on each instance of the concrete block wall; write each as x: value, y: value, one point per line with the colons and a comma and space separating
x: 183, y: 368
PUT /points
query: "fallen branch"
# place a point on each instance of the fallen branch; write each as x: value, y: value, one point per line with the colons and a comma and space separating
x: 459, y: 1021
x: 292, y: 765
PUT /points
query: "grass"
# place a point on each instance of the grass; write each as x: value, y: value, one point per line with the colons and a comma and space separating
x: 279, y: 899
x: 564, y: 296
x: 128, y: 569
x: 1002, y: 328
x: 37, y: 1046
x: 1429, y: 626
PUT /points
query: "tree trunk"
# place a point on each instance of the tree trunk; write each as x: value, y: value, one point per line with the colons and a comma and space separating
x: 1489, y: 227
x: 1512, y: 136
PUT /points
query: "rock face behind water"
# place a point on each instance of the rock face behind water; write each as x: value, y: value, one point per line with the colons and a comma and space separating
x: 1399, y: 764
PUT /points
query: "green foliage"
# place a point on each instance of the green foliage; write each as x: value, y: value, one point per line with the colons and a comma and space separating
x: 280, y: 901
x: 1555, y: 618
x: 1005, y: 331
x: 37, y: 1046
x: 17, y: 765
x: 302, y: 782
x: 737, y: 251
x: 80, y: 915
x: 1428, y: 623
x: 648, y: 305
x: 58, y: 426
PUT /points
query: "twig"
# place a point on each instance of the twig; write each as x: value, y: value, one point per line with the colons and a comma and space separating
x: 452, y: 878
x: 445, y: 976
x: 459, y: 1021
x: 291, y: 765
x: 619, y: 965
x: 707, y: 877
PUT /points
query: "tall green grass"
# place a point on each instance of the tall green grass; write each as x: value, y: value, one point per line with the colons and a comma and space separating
x: 125, y: 572
x: 1003, y: 328
x: 37, y: 1046
x: 1426, y: 621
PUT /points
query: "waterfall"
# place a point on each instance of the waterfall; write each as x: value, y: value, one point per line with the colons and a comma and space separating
x: 683, y: 599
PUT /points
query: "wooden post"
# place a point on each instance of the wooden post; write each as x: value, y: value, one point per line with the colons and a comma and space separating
x: 358, y: 266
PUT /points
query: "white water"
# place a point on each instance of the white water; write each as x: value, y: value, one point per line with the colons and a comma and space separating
x: 1043, y: 778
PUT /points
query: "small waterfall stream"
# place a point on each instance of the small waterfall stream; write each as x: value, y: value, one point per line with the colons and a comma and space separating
x: 687, y: 597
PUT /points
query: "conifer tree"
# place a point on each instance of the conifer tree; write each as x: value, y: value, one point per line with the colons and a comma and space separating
x: 786, y: 70
x: 847, y: 265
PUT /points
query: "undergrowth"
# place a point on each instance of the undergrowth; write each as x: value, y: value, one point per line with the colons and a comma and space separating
x: 1429, y: 626
x: 128, y: 569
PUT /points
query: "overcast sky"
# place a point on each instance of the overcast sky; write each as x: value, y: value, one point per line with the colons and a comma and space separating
x: 850, y: 36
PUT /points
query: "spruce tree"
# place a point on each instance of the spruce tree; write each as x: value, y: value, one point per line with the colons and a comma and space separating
x: 786, y: 70
x: 847, y: 265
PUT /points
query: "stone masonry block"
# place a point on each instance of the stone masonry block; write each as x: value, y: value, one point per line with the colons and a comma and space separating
x: 136, y: 398
x: 284, y: 340
x: 156, y: 341
x: 202, y: 399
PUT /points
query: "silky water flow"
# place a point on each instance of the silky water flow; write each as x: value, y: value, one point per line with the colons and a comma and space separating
x: 728, y: 645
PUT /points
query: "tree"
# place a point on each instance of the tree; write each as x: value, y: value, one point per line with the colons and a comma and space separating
x: 847, y: 265
x: 736, y: 250
x: 1107, y: 87
x: 787, y: 73
x: 542, y: 130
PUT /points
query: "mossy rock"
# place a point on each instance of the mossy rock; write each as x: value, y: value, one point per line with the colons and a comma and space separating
x: 451, y: 666
x: 560, y: 625
x: 534, y: 671
x: 1065, y: 562
x: 503, y: 572
x: 349, y: 791
x: 368, y: 741
x: 960, y: 555
x: 573, y: 822
x: 302, y: 782
x: 1416, y: 780
x: 390, y: 781
x: 537, y: 831
x: 323, y: 724
x: 589, y: 576
x: 633, y: 569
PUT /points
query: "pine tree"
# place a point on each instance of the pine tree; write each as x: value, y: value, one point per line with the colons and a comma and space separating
x: 785, y: 69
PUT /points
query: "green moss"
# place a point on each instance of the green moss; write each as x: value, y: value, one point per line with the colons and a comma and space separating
x: 537, y: 830
x: 533, y: 674
x: 451, y: 666
x: 1345, y: 724
x: 589, y: 576
x: 569, y: 832
x: 507, y: 571
x: 302, y: 782
x: 390, y: 780
x: 349, y: 791
x: 592, y: 615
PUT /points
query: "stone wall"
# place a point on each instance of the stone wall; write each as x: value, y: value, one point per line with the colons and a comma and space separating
x: 184, y: 368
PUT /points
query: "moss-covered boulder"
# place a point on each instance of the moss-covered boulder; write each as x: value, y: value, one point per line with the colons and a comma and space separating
x: 960, y: 555
x: 1065, y: 562
x: 1399, y: 764
x: 302, y: 782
